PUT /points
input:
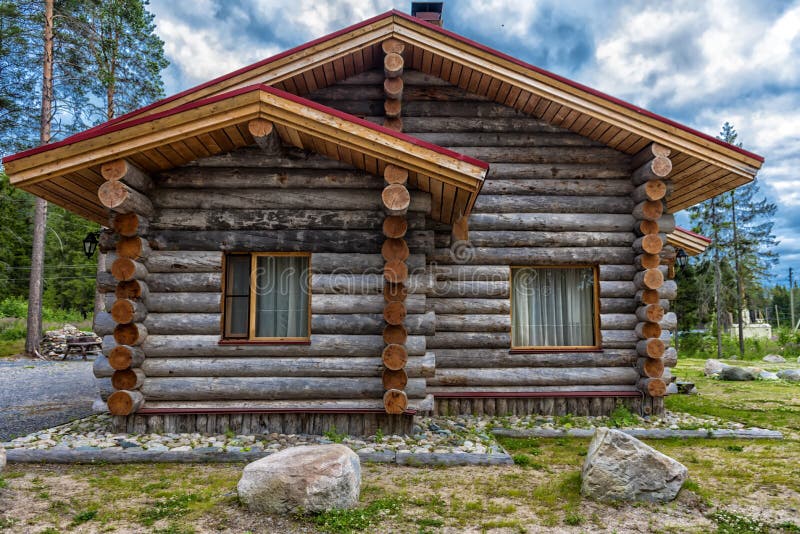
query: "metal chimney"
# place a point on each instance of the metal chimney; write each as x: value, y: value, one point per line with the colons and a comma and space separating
x: 428, y: 11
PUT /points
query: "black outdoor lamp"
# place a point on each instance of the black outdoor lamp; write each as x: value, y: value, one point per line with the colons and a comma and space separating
x: 90, y: 243
x: 682, y: 259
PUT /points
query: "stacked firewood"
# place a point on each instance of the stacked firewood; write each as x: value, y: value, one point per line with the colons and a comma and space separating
x: 123, y: 194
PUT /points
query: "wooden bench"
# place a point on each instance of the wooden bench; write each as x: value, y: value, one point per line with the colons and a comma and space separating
x: 82, y: 345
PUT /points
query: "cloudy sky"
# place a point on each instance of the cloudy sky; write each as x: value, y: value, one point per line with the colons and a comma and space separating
x: 698, y: 62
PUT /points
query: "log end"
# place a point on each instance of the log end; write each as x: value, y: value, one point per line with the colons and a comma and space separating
x: 394, y: 357
x: 124, y: 402
x: 395, y: 401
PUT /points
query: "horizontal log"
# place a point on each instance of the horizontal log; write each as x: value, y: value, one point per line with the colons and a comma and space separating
x: 179, y: 346
x: 467, y: 290
x: 555, y: 222
x: 616, y: 272
x: 128, y: 311
x: 309, y: 405
x: 531, y: 154
x: 211, y: 261
x: 120, y: 198
x: 583, y: 188
x: 468, y: 306
x: 269, y: 388
x: 648, y: 153
x: 103, y: 324
x: 534, y: 376
x: 618, y: 339
x: 657, y: 168
x: 332, y: 366
x: 533, y: 256
x: 500, y: 273
x: 355, y: 324
x: 184, y: 302
x: 666, y: 223
x: 552, y: 204
x: 469, y: 340
x: 101, y: 368
x: 512, y: 238
x: 105, y: 282
x: 129, y: 379
x: 125, y: 171
x: 618, y: 321
x: 670, y: 321
x: 237, y: 178
x: 129, y: 224
x: 621, y: 289
x: 285, y: 240
x: 648, y: 210
x: 472, y: 323
x: 458, y: 358
x: 287, y: 219
x: 125, y: 402
x: 617, y: 305
x: 302, y: 199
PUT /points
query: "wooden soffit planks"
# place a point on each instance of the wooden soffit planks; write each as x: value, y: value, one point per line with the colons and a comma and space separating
x: 219, y: 124
x: 692, y: 243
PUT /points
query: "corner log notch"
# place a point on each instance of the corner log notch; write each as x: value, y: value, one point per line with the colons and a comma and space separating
x: 395, y: 252
x: 124, y: 194
x: 650, y: 168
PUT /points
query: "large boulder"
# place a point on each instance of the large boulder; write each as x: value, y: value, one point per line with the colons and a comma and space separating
x: 310, y: 478
x: 736, y: 374
x: 792, y: 375
x: 773, y: 358
x: 714, y: 367
x: 619, y: 467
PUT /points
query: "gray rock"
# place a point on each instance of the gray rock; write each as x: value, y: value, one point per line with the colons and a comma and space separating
x: 713, y: 367
x: 2, y: 460
x: 736, y: 374
x: 792, y: 375
x: 766, y: 375
x: 672, y: 388
x: 774, y: 358
x: 309, y: 478
x: 686, y: 388
x: 619, y: 467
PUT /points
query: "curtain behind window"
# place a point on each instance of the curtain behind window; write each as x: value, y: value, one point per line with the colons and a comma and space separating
x: 281, y: 296
x: 552, y: 307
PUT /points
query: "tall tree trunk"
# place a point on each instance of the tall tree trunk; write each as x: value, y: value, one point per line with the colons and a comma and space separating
x: 717, y: 276
x: 739, y: 285
x: 33, y: 337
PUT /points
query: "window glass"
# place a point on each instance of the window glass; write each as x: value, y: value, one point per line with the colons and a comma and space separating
x: 281, y: 288
x: 553, y: 307
x: 237, y: 295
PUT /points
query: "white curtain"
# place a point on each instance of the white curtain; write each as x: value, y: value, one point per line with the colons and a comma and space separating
x: 552, y: 307
x: 281, y: 296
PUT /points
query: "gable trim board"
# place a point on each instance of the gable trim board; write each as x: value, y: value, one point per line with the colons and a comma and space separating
x: 702, y: 165
x: 300, y: 122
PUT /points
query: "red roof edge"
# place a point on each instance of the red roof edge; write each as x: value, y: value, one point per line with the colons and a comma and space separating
x: 433, y: 27
x: 577, y: 85
x: 88, y: 134
x: 698, y: 236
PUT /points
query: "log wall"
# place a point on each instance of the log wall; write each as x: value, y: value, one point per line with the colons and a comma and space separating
x: 269, y: 201
x: 552, y: 197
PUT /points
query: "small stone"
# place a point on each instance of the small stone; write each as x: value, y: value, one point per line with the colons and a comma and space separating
x: 766, y: 375
x: 155, y: 446
x: 790, y: 375
x: 183, y: 448
x: 713, y: 367
x: 774, y: 358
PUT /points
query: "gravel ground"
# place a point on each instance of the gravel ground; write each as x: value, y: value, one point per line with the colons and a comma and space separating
x: 37, y: 394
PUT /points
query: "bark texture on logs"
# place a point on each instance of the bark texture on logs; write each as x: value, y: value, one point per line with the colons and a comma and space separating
x: 534, y: 376
x: 118, y: 197
x: 125, y: 171
x: 125, y: 402
x: 459, y: 358
x: 103, y: 324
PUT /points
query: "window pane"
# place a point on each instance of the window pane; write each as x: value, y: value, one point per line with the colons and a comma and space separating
x: 552, y: 307
x: 281, y: 296
x: 237, y: 280
x: 236, y: 311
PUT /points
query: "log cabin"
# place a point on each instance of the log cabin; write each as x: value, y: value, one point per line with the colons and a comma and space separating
x: 388, y: 221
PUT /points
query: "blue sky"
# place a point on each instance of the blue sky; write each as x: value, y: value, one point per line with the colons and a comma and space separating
x: 698, y: 62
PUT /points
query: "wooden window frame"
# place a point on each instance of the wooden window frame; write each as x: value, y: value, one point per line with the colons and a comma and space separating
x: 251, y: 338
x: 595, y: 312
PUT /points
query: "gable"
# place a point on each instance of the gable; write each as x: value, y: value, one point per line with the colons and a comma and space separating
x: 702, y: 166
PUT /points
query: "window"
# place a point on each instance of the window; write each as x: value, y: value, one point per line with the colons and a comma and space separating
x: 267, y: 296
x: 554, y: 307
